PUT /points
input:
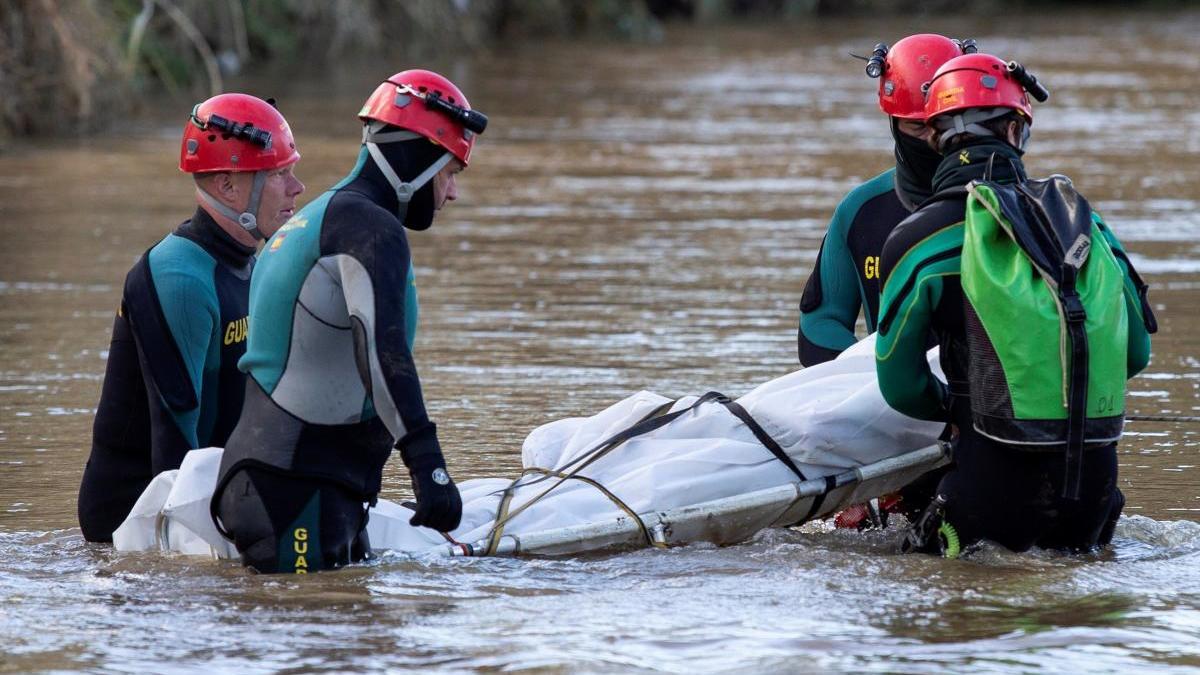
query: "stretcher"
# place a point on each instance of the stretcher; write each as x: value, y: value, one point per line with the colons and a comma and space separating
x: 722, y: 521
x: 646, y: 471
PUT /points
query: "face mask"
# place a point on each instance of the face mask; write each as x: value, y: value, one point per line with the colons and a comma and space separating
x: 408, y: 163
x: 916, y: 163
x: 419, y: 215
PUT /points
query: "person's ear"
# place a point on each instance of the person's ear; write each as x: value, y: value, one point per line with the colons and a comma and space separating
x: 225, y: 187
x: 1013, y: 133
x: 220, y: 185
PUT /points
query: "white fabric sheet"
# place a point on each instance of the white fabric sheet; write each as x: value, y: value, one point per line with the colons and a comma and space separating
x: 827, y: 418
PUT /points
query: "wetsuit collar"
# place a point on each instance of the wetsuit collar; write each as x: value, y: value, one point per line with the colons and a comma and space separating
x: 970, y: 162
x: 205, y: 231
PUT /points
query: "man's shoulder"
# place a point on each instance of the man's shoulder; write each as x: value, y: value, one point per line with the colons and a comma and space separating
x: 874, y: 201
x: 176, y: 255
x: 348, y: 206
x: 936, y: 225
x: 175, y: 269
x: 881, y: 186
x: 352, y: 220
x: 933, y: 217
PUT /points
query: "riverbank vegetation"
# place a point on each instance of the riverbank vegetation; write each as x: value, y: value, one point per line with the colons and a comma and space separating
x: 69, y: 66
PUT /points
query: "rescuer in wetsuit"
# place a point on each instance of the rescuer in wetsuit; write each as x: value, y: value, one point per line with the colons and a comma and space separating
x: 171, y: 383
x: 332, y: 385
x: 1010, y: 493
x: 845, y: 277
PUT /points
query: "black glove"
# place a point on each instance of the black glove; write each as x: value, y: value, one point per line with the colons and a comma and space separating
x: 439, y: 505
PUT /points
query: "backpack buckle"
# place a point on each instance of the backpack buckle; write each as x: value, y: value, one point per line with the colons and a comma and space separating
x: 1073, y: 308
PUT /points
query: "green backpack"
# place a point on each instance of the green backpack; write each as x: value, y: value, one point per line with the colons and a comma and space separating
x: 1045, y: 320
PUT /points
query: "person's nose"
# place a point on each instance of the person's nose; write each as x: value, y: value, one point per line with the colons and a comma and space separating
x: 452, y: 189
x: 296, y: 186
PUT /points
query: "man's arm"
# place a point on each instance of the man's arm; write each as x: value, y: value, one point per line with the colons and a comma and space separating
x: 830, y: 304
x: 191, y: 316
x: 173, y: 311
x: 1141, y: 321
x: 373, y: 265
x: 911, y: 292
x: 119, y: 466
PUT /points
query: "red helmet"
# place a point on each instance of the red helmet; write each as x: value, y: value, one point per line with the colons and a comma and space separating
x: 909, y: 64
x: 236, y: 132
x: 398, y: 102
x: 976, y: 81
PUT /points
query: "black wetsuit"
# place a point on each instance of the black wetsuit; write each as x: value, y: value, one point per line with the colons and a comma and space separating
x: 333, y: 386
x: 995, y: 491
x: 845, y: 279
x: 171, y: 383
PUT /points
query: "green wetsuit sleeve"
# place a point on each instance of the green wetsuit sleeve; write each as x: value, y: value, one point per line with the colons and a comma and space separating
x: 905, y: 379
x: 189, y: 305
x: 1138, y: 354
x: 832, y: 300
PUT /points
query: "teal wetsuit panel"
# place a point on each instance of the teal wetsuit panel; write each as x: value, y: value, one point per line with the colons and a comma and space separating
x: 183, y: 279
x: 280, y: 274
x: 411, y: 308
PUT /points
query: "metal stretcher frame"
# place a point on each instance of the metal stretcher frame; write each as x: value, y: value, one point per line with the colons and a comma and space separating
x: 722, y: 521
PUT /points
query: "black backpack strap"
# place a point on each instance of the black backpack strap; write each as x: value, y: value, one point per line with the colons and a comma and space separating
x: 1078, y: 384
x: 990, y: 168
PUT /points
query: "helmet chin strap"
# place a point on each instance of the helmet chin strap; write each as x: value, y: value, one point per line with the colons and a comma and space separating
x: 372, y: 136
x: 969, y: 122
x: 247, y: 219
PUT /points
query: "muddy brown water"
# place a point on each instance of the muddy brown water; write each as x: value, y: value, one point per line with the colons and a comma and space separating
x: 636, y: 216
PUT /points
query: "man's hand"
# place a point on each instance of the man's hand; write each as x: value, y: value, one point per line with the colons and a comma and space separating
x: 439, y: 505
